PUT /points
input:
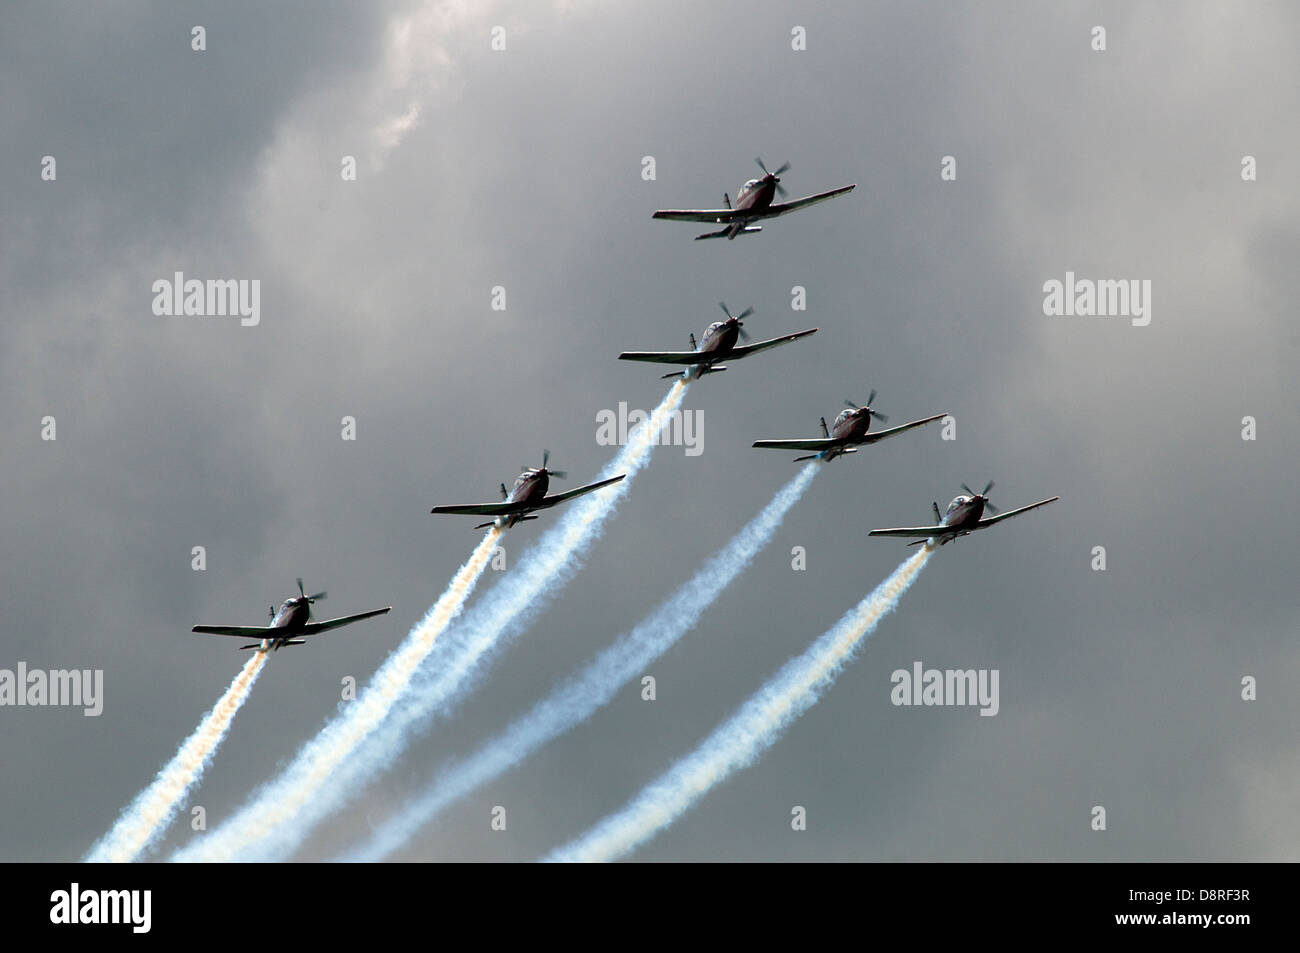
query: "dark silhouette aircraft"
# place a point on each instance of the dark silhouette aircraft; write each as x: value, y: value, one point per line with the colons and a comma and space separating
x: 963, y: 517
x: 719, y: 344
x: 849, y: 432
x: 527, y: 496
x: 753, y: 203
x: 289, y: 625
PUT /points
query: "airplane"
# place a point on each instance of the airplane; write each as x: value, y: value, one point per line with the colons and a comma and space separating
x: 753, y: 203
x: 289, y: 625
x: 846, y: 434
x: 527, y: 496
x: 719, y: 344
x: 963, y: 517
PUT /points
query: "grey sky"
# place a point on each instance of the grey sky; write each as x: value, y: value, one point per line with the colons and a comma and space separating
x: 522, y: 169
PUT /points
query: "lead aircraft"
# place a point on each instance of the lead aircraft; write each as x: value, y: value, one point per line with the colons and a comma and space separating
x: 753, y: 203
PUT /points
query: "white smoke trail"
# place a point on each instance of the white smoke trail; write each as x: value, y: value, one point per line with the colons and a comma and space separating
x: 325, y: 776
x: 144, y: 819
x: 592, y: 688
x: 755, y: 727
x: 279, y: 801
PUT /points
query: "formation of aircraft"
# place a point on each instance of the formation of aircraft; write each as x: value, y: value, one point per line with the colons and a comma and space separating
x: 289, y: 626
x: 718, y: 344
x: 964, y: 516
x: 849, y: 431
x: 753, y: 203
x: 526, y: 497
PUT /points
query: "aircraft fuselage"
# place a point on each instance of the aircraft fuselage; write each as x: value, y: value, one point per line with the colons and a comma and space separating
x: 529, y: 489
x: 719, y: 339
x: 963, y: 513
x: 293, y: 614
x: 753, y: 200
x: 849, y: 428
x: 851, y: 425
x: 756, y: 195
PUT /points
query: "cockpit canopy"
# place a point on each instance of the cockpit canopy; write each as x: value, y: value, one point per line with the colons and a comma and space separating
x: 752, y: 183
x: 712, y: 329
x: 958, y: 501
x: 845, y: 414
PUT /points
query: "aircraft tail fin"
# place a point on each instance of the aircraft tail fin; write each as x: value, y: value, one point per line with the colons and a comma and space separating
x: 937, y: 518
x: 825, y: 432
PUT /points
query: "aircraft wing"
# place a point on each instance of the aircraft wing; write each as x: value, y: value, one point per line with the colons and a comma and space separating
x: 990, y: 520
x: 697, y: 215
x: 314, y: 628
x: 882, y: 434
x: 478, y: 509
x: 555, y: 498
x: 745, y: 350
x: 663, y: 357
x: 247, y: 631
x: 821, y: 443
x: 781, y: 208
x: 912, y: 532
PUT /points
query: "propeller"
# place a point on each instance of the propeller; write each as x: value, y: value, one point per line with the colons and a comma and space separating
x: 546, y: 458
x: 774, y: 176
x: 738, y: 318
x: 883, y: 418
x: 313, y: 597
x: 983, y: 496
